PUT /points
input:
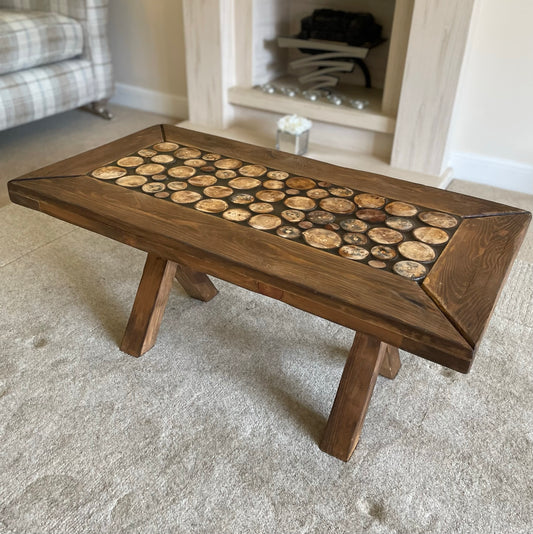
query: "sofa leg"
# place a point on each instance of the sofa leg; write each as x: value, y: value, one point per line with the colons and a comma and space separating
x: 99, y: 108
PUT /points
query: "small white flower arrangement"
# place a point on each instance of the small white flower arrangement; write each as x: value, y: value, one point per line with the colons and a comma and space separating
x: 293, y: 124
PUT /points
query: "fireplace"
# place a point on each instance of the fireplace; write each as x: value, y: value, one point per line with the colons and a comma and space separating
x: 232, y: 50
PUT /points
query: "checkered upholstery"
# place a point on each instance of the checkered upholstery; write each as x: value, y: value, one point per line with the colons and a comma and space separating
x: 33, y: 38
x: 57, y: 84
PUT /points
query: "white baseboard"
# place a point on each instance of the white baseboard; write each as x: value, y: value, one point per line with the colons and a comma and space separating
x: 136, y: 97
x: 497, y: 172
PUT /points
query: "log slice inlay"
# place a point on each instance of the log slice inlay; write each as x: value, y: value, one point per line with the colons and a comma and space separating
x: 359, y: 226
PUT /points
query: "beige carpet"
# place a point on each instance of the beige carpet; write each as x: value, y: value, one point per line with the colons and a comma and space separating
x: 215, y: 430
x: 34, y: 145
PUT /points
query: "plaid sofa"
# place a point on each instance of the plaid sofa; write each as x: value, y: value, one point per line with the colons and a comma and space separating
x: 54, y: 56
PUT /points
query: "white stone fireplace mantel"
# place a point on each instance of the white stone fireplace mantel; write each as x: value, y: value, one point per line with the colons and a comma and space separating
x: 403, y: 133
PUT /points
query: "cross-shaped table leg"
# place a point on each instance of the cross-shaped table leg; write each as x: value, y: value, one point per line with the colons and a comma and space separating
x: 151, y: 300
x: 365, y: 361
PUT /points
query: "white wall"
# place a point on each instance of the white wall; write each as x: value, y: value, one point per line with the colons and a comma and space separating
x: 492, y: 136
x: 148, y: 50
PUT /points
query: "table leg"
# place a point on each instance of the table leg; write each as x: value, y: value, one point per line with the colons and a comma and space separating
x: 149, y: 306
x: 353, y: 396
x: 391, y: 363
x: 196, y: 284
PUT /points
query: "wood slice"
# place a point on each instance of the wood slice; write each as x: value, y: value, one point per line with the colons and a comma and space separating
x: 299, y: 182
x: 162, y: 194
x: 261, y: 207
x: 225, y: 174
x: 401, y: 209
x: 324, y: 184
x: 147, y: 152
x: 242, y: 198
x: 202, y: 180
x: 131, y: 180
x: 244, y: 183
x: 253, y: 171
x: 383, y: 252
x: 181, y: 172
x: 159, y: 177
x: 270, y: 195
x: 293, y: 216
x: 332, y: 226
x: 317, y: 193
x: 322, y: 238
x: 377, y: 264
x: 385, y: 236
x: 289, y: 232
x: 305, y: 225
x: 273, y: 184
x: 236, y: 214
x: 153, y: 187
x: 228, y: 163
x: 165, y: 146
x: 185, y: 197
x: 163, y: 158
x: 278, y: 175
x: 292, y: 191
x: 414, y: 250
x: 337, y: 205
x: 399, y: 223
x: 150, y: 168
x: 187, y: 153
x: 371, y: 215
x: 341, y: 191
x: 108, y: 173
x: 431, y: 235
x: 177, y: 186
x: 130, y: 161
x: 367, y: 200
x: 300, y: 203
x: 354, y: 225
x: 353, y: 252
x: 265, y: 222
x: 321, y: 217
x: 217, y: 191
x: 436, y: 218
x: 211, y: 157
x: 208, y: 168
x: 211, y: 205
x: 196, y: 163
x: 355, y: 239
x: 410, y: 269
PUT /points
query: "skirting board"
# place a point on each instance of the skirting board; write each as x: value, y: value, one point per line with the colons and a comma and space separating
x: 502, y: 173
x: 136, y: 97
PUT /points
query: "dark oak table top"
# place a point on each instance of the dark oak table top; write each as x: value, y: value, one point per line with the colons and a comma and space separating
x: 326, y: 239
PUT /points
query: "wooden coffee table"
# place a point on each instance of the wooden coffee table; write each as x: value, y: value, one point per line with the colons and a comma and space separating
x: 404, y: 265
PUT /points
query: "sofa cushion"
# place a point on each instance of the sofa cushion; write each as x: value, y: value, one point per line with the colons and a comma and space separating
x: 32, y: 38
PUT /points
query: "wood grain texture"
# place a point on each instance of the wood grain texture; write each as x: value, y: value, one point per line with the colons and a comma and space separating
x: 197, y: 285
x: 401, y: 190
x: 439, y: 32
x: 401, y: 26
x: 467, y: 278
x: 149, y: 306
x: 208, y: 26
x: 364, y: 299
x: 353, y: 396
x: 390, y: 365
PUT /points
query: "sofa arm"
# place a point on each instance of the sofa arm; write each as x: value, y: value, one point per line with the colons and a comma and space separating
x: 93, y: 16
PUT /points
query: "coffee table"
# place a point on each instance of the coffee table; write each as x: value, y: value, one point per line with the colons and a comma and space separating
x: 404, y: 265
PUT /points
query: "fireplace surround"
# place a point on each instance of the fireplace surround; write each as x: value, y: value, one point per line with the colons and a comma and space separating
x: 231, y: 49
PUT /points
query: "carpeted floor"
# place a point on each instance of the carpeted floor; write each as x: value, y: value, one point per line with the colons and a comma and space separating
x: 215, y: 430
x: 34, y: 145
